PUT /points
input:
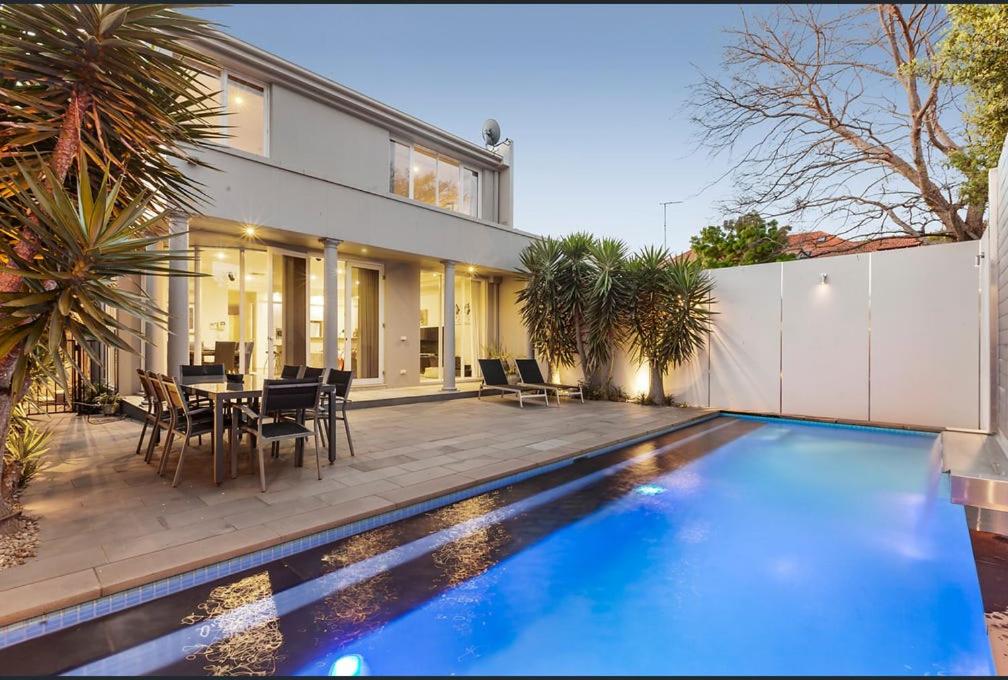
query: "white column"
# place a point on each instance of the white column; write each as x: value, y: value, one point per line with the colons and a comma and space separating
x: 448, y: 358
x: 330, y: 303
x: 178, y: 296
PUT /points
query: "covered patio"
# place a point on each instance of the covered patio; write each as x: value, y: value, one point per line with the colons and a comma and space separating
x: 108, y: 523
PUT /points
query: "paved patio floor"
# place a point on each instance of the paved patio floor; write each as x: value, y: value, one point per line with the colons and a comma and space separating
x: 108, y: 522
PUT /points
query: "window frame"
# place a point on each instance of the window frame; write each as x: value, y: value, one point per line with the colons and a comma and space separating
x: 463, y: 168
x: 223, y: 76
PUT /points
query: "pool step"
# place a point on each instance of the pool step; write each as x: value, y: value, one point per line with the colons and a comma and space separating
x: 978, y: 469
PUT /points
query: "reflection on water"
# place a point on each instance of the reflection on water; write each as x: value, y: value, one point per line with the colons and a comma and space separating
x: 249, y: 635
x: 467, y: 555
x: 347, y: 608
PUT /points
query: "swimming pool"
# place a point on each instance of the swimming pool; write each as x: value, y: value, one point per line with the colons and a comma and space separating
x: 737, y: 546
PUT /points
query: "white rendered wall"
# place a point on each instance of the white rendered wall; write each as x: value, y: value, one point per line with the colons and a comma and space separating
x: 892, y: 337
x: 925, y: 336
x: 824, y: 339
x: 745, y: 343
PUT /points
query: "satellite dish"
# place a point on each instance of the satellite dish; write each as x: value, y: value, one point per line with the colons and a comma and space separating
x: 491, y: 132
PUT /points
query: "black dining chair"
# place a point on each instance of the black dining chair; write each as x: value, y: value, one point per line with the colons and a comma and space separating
x: 341, y: 382
x: 270, y: 426
x: 311, y: 372
x: 289, y: 372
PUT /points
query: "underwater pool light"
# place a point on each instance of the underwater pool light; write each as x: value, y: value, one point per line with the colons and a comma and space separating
x: 650, y: 489
x: 348, y: 665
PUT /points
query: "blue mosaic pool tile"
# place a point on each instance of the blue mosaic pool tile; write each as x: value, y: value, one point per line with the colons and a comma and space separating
x: 37, y: 626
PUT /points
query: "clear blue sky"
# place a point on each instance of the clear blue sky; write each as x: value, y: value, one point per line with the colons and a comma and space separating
x: 593, y: 96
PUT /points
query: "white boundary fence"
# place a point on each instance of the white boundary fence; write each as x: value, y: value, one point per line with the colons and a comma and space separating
x: 890, y: 337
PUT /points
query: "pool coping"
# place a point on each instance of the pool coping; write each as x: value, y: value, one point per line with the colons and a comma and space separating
x: 85, y: 604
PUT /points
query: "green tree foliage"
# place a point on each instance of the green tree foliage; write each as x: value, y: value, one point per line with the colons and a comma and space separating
x: 669, y: 312
x: 975, y: 54
x: 115, y: 85
x: 748, y: 239
x: 574, y: 301
x: 584, y: 298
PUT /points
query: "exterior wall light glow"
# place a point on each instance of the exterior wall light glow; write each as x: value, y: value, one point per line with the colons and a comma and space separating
x: 249, y: 231
x: 824, y: 279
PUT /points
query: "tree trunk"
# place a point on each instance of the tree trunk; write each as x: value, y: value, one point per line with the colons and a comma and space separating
x: 657, y: 390
x: 67, y: 145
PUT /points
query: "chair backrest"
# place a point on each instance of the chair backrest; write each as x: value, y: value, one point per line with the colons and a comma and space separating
x: 289, y: 372
x: 173, y: 393
x: 342, y: 381
x: 290, y: 395
x: 493, y: 372
x: 213, y: 370
x: 155, y: 382
x: 145, y: 384
x: 225, y: 353
x: 190, y: 370
x: 529, y: 371
x: 310, y: 372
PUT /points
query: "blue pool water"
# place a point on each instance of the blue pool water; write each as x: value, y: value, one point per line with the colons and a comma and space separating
x: 733, y: 547
x: 793, y: 549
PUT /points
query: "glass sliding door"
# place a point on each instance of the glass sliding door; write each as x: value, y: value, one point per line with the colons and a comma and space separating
x: 215, y: 328
x: 366, y: 341
x: 287, y: 327
x: 316, y: 312
x: 255, y: 312
x: 469, y: 317
x: 470, y: 325
x: 431, y: 325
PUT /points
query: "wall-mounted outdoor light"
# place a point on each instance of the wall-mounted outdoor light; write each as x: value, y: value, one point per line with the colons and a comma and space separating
x: 824, y: 279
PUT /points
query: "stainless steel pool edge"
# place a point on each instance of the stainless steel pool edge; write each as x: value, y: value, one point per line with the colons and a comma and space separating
x: 72, y: 615
x: 985, y: 519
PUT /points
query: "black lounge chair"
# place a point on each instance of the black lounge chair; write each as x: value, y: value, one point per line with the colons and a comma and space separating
x: 531, y: 376
x: 495, y: 378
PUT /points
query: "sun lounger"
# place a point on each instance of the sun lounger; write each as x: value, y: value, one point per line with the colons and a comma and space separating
x: 531, y: 376
x: 495, y: 378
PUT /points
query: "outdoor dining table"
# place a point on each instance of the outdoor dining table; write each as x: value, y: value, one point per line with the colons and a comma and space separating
x: 221, y: 391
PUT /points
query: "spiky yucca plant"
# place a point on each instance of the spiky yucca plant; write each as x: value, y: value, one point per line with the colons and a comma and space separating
x: 542, y: 308
x: 87, y: 243
x: 118, y: 85
x: 669, y: 312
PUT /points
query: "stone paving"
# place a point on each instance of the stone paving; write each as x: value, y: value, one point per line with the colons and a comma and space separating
x: 108, y: 522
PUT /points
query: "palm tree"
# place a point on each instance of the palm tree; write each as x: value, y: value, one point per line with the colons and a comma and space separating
x: 669, y: 312
x: 542, y: 308
x: 608, y: 298
x: 116, y: 84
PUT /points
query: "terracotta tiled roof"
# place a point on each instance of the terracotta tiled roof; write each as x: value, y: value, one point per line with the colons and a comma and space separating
x: 822, y: 244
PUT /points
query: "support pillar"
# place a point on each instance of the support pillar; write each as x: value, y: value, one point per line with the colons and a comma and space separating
x: 178, y: 297
x: 448, y: 351
x: 330, y: 299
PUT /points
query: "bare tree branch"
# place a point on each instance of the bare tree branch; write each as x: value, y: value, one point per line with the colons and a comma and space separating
x: 838, y: 114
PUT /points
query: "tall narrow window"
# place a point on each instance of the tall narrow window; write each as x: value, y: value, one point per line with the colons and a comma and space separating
x: 210, y: 86
x: 448, y: 183
x: 424, y: 175
x: 399, y: 174
x: 470, y: 192
x: 246, y: 116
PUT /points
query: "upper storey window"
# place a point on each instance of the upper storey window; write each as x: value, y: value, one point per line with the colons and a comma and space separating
x: 245, y: 102
x: 430, y: 177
